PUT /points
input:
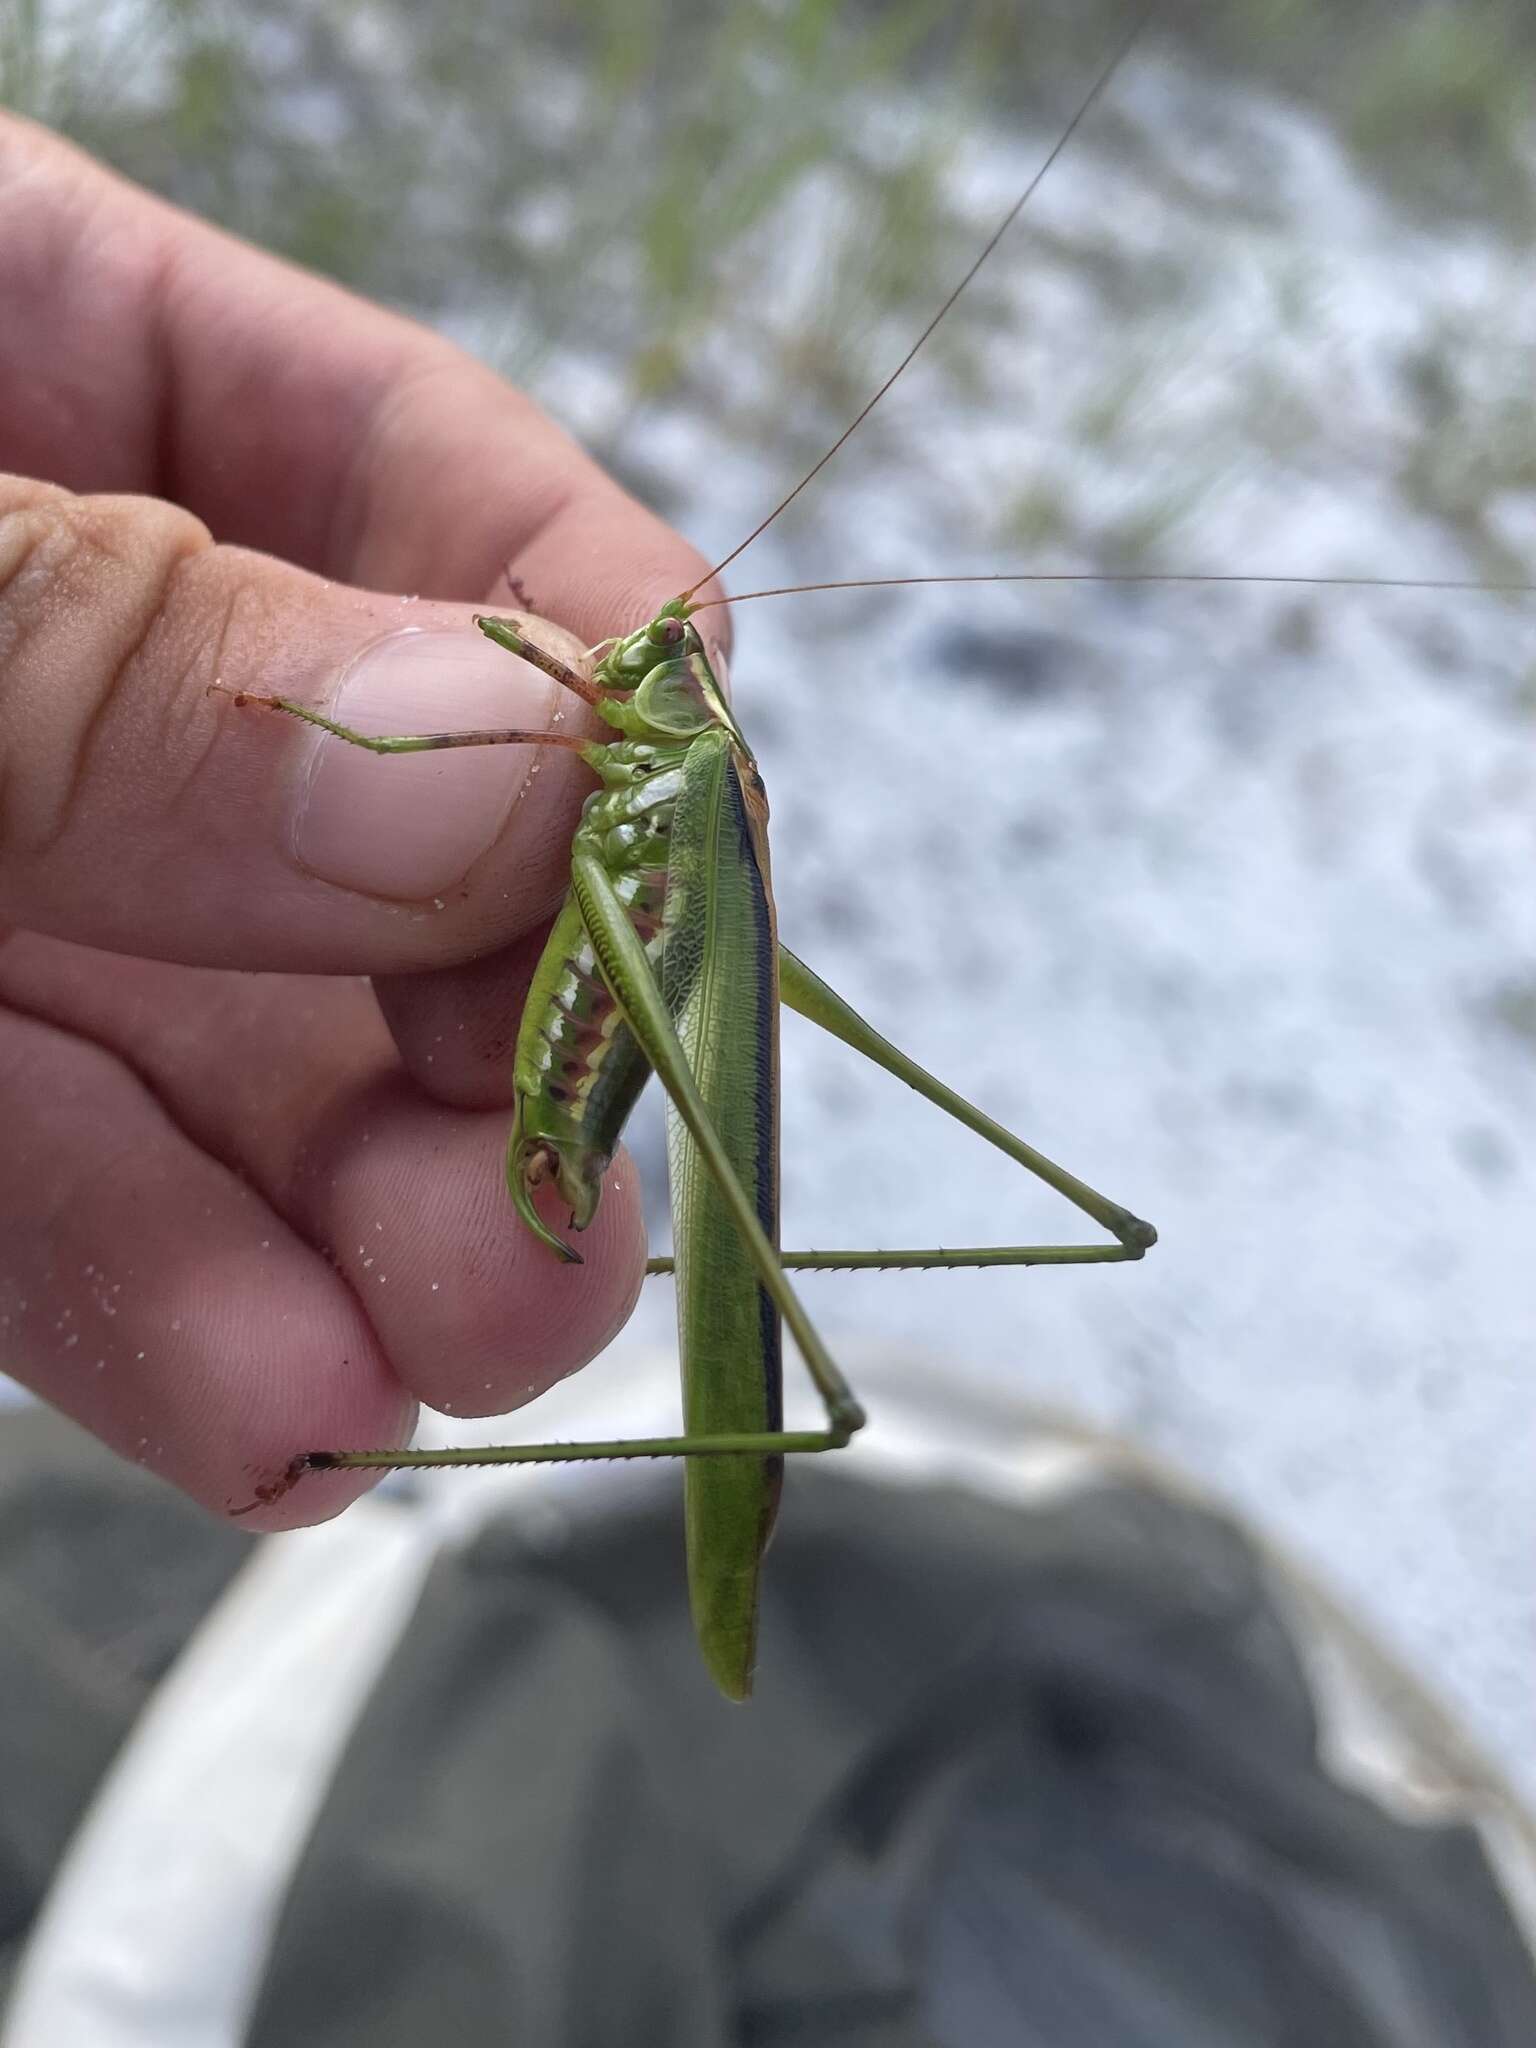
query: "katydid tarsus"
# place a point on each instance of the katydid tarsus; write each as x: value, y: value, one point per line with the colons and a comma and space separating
x: 665, y: 959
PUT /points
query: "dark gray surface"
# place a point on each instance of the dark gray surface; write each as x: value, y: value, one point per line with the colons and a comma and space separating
x: 103, y: 1572
x: 1045, y: 1779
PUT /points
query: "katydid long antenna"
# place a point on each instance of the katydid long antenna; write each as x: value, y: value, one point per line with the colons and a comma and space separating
x: 1279, y: 580
x: 1135, y: 576
x: 1085, y: 105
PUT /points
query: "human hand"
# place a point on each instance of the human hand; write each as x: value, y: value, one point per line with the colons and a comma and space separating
x: 246, y: 1209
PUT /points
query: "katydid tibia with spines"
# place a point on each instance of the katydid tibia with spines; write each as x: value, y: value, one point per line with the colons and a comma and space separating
x: 665, y: 959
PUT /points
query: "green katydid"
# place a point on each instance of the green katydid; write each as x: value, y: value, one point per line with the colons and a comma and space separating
x: 674, y: 847
x: 665, y: 959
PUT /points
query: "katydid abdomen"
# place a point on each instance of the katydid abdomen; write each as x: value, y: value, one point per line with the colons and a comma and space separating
x: 578, y: 1069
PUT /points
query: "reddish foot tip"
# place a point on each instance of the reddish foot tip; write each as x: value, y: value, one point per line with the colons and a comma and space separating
x: 276, y: 1489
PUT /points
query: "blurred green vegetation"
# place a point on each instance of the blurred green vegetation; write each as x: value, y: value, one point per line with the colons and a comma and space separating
x: 1434, y: 96
x: 622, y: 180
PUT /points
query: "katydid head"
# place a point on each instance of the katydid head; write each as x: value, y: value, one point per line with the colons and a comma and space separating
x: 671, y: 692
x: 630, y: 660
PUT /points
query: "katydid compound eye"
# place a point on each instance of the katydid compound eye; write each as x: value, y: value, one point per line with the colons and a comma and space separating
x: 668, y: 632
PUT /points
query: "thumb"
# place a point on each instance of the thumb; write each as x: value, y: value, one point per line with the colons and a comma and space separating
x: 144, y: 811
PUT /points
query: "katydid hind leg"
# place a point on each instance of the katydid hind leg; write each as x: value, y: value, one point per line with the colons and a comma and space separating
x: 804, y: 991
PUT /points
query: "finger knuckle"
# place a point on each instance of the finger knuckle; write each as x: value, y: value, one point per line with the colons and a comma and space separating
x: 86, y: 616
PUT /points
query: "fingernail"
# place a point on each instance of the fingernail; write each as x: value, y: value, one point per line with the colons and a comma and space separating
x: 409, y: 826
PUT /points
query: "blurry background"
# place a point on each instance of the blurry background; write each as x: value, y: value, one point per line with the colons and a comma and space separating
x: 1223, y: 897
